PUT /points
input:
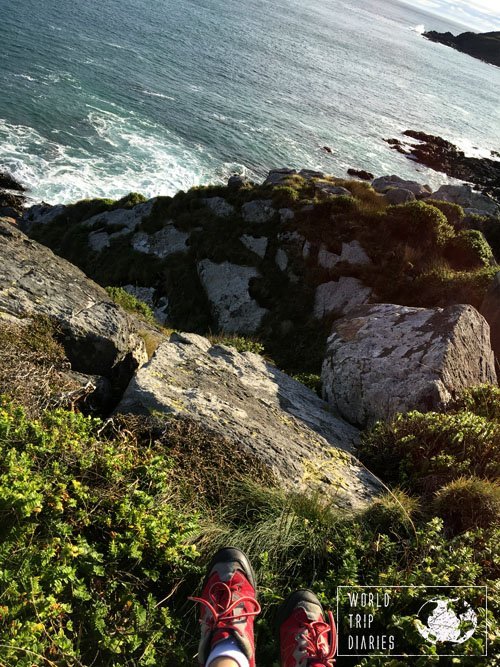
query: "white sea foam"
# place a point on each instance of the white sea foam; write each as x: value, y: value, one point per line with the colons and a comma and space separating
x: 151, y: 93
x: 420, y: 28
x: 137, y: 158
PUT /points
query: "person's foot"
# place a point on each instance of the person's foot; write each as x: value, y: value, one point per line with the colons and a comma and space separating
x: 306, y: 639
x: 228, y: 604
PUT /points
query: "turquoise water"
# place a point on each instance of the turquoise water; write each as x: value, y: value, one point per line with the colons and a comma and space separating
x: 103, y: 97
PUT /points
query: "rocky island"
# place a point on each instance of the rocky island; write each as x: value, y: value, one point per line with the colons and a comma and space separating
x: 485, y: 46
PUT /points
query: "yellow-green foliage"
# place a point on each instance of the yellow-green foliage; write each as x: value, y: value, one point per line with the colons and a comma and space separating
x: 131, y: 304
x: 91, y: 545
x: 468, y: 250
x: 424, y: 452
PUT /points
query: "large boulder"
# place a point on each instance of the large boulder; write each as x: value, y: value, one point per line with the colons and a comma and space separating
x: 227, y: 288
x: 383, y: 184
x: 98, y: 337
x: 470, y: 200
x: 262, y: 410
x: 385, y: 359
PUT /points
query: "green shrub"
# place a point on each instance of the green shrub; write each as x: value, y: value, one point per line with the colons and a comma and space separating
x: 468, y: 503
x: 442, y: 286
x: 418, y: 224
x: 392, y: 513
x: 453, y: 212
x: 285, y: 196
x: 468, y: 250
x: 241, y: 343
x: 91, y: 545
x: 423, y: 452
x: 483, y: 400
x: 130, y: 200
x: 131, y: 304
x: 310, y: 380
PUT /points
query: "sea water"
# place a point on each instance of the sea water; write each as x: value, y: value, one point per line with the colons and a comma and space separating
x: 104, y: 97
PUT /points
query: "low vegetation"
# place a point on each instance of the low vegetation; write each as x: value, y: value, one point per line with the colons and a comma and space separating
x: 106, y: 529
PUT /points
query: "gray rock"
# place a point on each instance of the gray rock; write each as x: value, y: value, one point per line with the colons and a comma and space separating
x: 307, y: 250
x: 286, y: 214
x: 465, y: 196
x: 399, y: 195
x: 257, y: 245
x: 310, y: 174
x: 279, y: 176
x: 99, y: 240
x: 128, y: 219
x: 490, y: 310
x: 256, y: 406
x: 40, y: 214
x: 161, y: 311
x: 326, y: 259
x: 219, y: 206
x: 333, y: 190
x: 236, y: 181
x: 99, y: 338
x: 281, y: 259
x: 227, y: 288
x: 385, y: 359
x: 258, y: 211
x: 163, y: 243
x: 353, y: 253
x: 340, y: 296
x: 385, y: 182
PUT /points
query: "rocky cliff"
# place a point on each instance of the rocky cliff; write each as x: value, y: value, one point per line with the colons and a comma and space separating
x: 485, y: 46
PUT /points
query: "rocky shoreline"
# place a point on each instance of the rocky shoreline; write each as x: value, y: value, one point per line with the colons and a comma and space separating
x: 441, y: 155
x: 484, y: 46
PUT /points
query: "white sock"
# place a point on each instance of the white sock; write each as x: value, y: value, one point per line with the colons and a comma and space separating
x: 228, y: 648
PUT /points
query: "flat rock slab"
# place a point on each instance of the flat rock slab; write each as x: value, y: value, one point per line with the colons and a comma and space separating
x: 385, y: 359
x: 227, y: 288
x: 250, y: 402
x: 98, y: 335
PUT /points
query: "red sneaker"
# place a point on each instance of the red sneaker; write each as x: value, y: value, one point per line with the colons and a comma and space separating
x: 306, y: 640
x: 228, y: 604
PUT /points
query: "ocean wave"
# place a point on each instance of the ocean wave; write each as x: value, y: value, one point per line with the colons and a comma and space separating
x: 125, y: 155
x: 420, y: 28
x: 151, y: 93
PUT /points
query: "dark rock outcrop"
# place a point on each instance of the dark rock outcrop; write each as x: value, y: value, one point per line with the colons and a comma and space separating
x: 441, y: 155
x: 12, y: 199
x: 98, y: 337
x: 361, y: 173
x: 385, y: 359
x: 485, y: 46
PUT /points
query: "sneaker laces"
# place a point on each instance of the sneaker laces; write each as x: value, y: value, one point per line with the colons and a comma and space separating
x: 222, y: 612
x: 316, y: 631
